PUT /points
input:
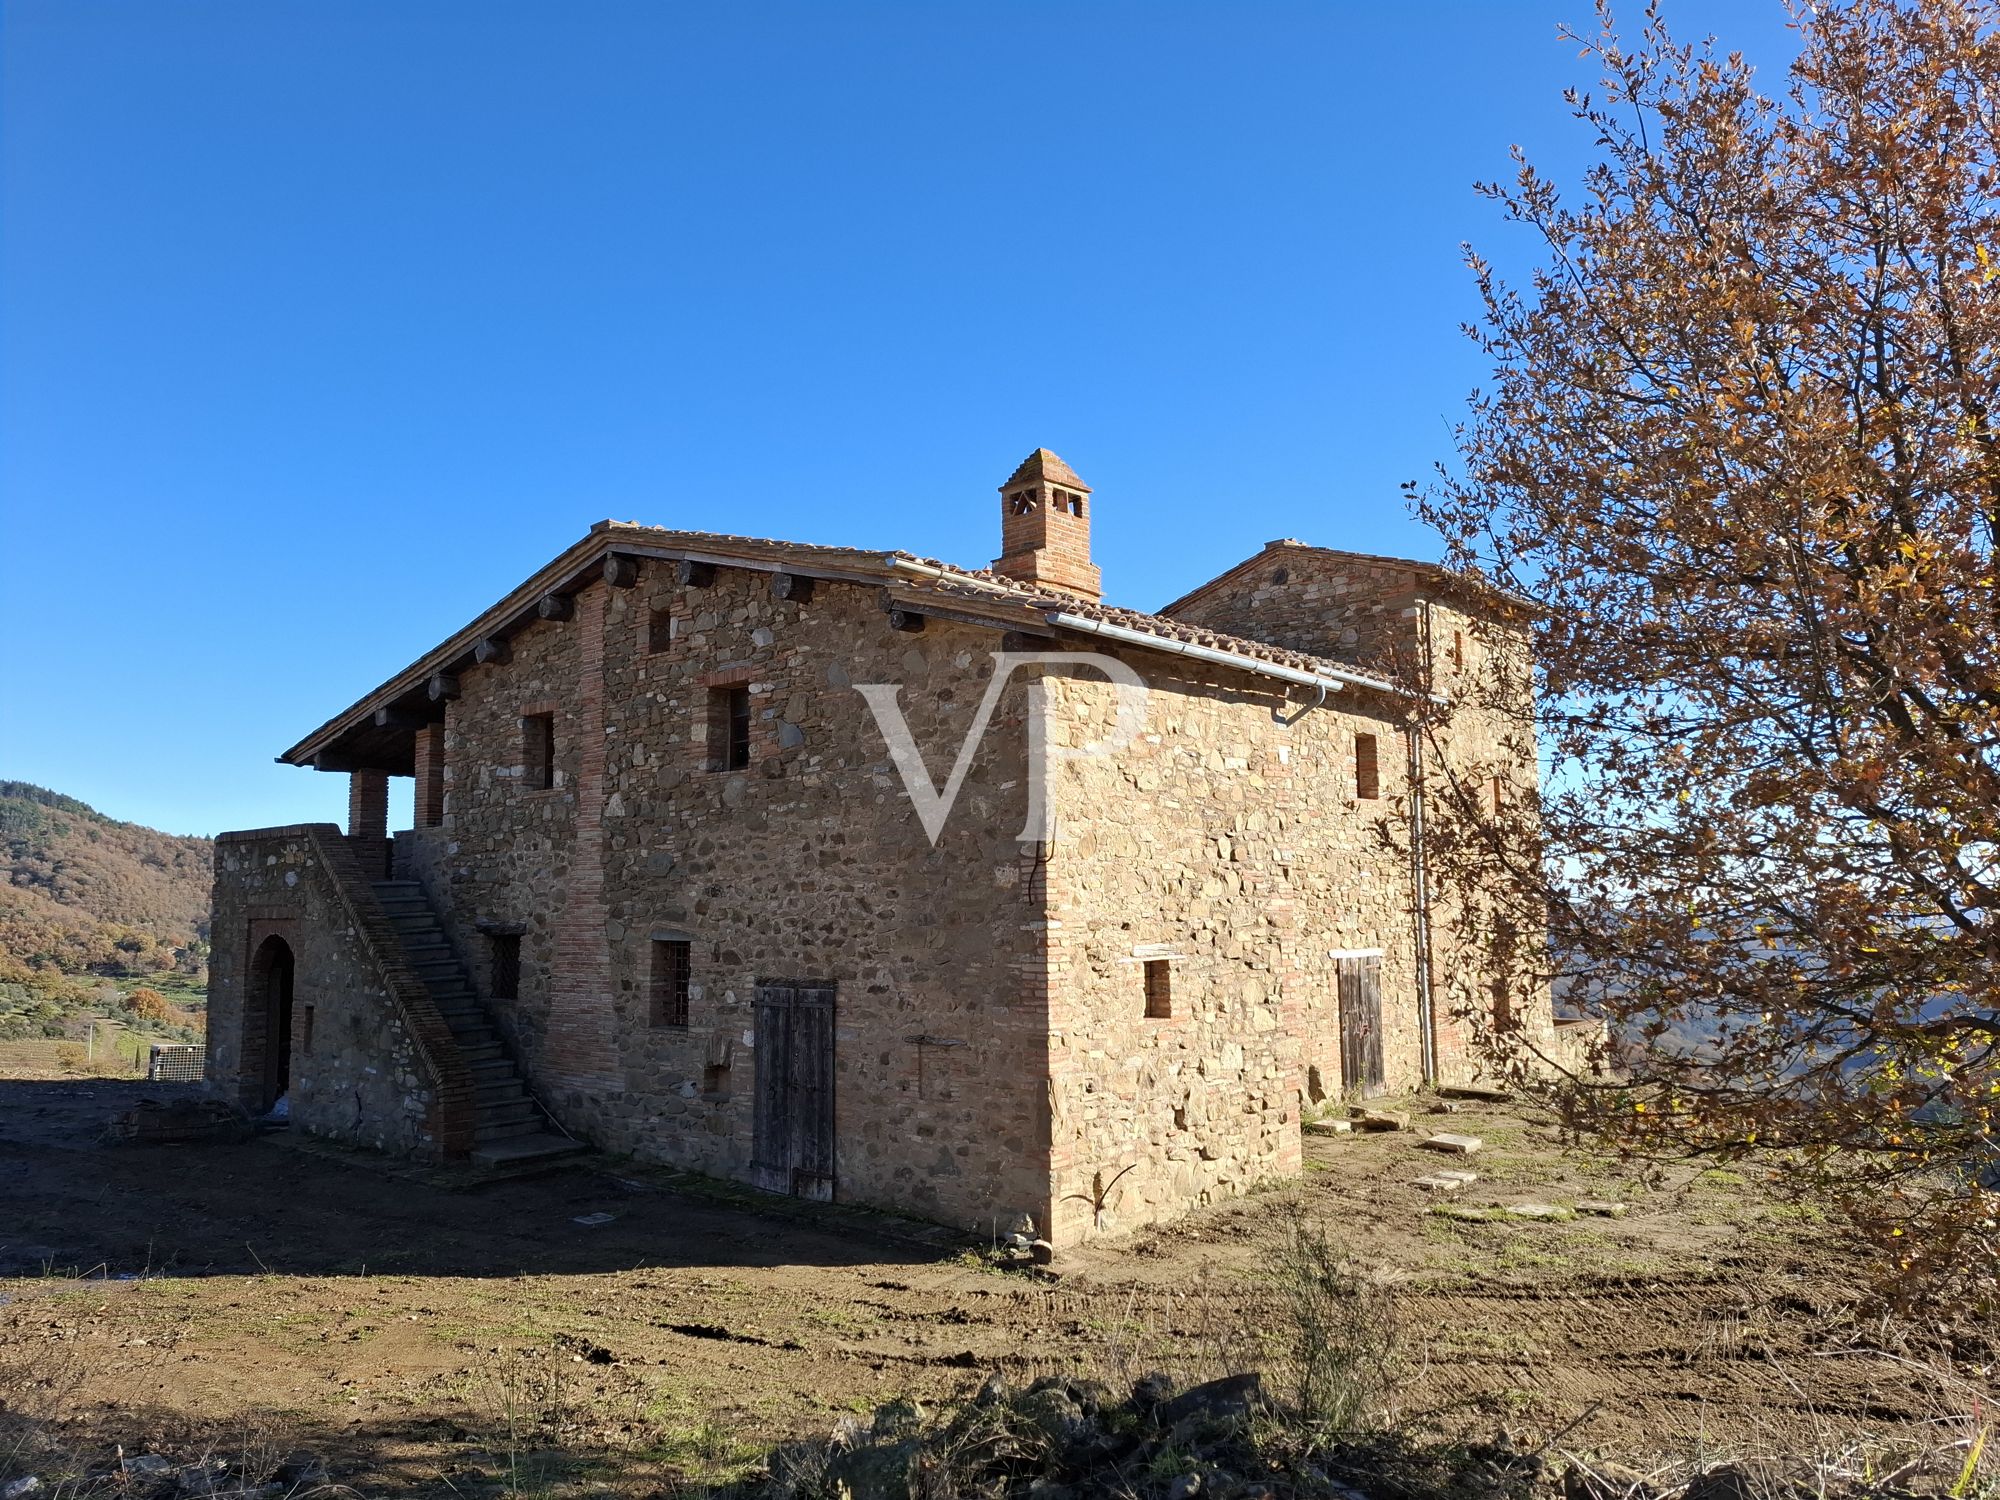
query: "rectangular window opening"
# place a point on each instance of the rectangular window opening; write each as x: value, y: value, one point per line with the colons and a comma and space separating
x: 715, y: 1081
x: 1159, y: 990
x: 505, y: 958
x: 673, y: 961
x: 538, y: 752
x: 1458, y: 650
x: 729, y: 728
x: 659, y: 630
x: 1367, y: 776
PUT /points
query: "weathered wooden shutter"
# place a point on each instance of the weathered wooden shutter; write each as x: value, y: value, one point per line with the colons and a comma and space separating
x: 1360, y: 993
x: 793, y: 1149
x: 811, y: 1070
x: 771, y: 1148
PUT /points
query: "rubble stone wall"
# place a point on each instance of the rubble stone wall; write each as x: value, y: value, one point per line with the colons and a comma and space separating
x: 1342, y: 607
x: 371, y: 1062
x: 1230, y: 841
x: 808, y: 864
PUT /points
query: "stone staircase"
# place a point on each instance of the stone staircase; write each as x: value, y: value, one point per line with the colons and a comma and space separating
x: 508, y: 1125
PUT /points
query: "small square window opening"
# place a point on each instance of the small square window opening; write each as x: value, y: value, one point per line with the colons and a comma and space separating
x: 538, y: 752
x: 504, y: 957
x: 729, y: 728
x: 673, y: 961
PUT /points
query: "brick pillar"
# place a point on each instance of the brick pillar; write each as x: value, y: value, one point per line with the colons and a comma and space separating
x: 581, y: 1045
x: 430, y: 776
x: 368, y: 820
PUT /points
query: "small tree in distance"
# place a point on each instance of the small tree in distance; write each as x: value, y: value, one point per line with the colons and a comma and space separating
x: 148, y: 1004
x: 1740, y: 448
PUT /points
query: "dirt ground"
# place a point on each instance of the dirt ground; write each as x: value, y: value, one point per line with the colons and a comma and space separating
x: 416, y: 1326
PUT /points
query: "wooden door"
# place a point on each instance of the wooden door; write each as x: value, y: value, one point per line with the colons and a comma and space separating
x: 1360, y: 987
x: 793, y: 1149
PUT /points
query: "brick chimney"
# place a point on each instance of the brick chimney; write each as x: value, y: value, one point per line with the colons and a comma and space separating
x: 1045, y: 528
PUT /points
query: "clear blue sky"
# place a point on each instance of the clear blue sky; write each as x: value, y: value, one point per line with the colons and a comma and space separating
x: 323, y: 324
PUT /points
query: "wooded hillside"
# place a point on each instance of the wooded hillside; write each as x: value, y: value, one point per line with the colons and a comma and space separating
x: 89, y: 894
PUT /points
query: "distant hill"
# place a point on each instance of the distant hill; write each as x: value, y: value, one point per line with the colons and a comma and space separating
x: 89, y: 894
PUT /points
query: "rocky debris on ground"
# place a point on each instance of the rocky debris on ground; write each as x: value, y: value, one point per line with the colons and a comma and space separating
x: 1546, y: 1213
x: 158, y: 1122
x: 1016, y: 1251
x: 1330, y: 1127
x: 1601, y: 1208
x: 1061, y: 1438
x: 1452, y: 1145
x: 160, y: 1476
x: 1381, y: 1119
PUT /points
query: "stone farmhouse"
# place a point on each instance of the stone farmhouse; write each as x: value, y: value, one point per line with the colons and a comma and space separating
x: 670, y: 891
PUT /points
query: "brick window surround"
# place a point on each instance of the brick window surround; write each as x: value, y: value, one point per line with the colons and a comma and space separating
x: 1367, y: 769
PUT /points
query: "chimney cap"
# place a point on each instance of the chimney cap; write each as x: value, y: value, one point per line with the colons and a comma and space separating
x: 1045, y: 467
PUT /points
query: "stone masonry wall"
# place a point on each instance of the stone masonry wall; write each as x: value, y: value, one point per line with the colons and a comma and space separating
x: 371, y: 1062
x: 1341, y: 607
x: 808, y: 864
x: 1375, y: 613
x: 1480, y: 760
x: 1235, y: 844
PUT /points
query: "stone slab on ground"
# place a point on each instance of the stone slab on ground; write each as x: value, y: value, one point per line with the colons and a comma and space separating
x: 1544, y: 1213
x: 1485, y: 1093
x: 1441, y: 1182
x: 1381, y: 1119
x: 1330, y: 1127
x: 1452, y: 1145
x: 1602, y: 1208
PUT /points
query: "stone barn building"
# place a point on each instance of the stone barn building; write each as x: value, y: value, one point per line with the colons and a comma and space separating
x: 672, y: 892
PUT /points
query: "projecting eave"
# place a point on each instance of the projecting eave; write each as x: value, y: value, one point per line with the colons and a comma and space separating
x: 378, y: 730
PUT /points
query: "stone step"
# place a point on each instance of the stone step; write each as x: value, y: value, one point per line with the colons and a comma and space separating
x: 501, y: 1130
x: 507, y: 1113
x: 501, y: 1091
x: 524, y: 1148
x: 481, y: 1052
x: 396, y: 885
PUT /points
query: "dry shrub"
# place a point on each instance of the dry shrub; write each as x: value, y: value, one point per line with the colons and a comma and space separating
x: 1343, y: 1343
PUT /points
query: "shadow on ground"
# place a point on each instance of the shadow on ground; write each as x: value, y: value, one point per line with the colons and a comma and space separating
x: 78, y: 1207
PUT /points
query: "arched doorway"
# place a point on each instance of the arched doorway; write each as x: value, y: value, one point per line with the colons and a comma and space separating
x: 267, y: 1026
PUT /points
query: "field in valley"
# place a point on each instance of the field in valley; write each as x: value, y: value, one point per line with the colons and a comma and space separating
x: 424, y: 1332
